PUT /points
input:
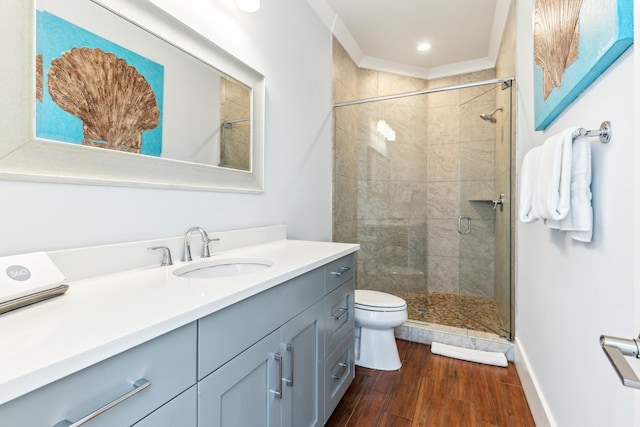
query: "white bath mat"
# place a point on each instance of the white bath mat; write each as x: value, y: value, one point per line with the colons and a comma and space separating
x: 472, y: 355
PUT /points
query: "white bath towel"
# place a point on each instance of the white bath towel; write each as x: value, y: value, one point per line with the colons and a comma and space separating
x: 472, y: 355
x: 552, y: 184
x: 579, y: 220
x: 528, y: 177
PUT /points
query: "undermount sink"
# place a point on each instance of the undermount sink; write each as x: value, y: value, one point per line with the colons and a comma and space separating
x: 212, y: 269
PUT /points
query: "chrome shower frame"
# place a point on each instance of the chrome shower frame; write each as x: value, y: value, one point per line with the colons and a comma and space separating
x: 507, y: 82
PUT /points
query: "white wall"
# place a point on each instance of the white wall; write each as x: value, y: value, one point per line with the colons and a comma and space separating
x: 569, y: 293
x: 295, y: 57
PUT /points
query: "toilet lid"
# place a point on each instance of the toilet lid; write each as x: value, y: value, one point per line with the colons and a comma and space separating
x: 383, y: 300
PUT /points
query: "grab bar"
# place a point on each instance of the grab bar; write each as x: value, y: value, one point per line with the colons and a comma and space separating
x: 616, y: 349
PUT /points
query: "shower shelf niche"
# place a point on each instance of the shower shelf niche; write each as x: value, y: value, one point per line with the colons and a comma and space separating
x: 495, y: 202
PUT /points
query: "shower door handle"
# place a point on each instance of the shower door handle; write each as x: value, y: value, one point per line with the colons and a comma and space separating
x: 464, y: 225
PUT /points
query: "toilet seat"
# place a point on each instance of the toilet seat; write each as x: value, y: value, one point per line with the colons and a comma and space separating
x: 378, y: 301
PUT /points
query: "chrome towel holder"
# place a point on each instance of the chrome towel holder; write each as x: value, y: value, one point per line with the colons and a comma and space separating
x: 604, y: 133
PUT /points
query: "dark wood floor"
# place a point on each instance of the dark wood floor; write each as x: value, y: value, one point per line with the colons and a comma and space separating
x: 435, y: 391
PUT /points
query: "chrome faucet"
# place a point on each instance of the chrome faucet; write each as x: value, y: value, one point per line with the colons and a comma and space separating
x: 166, y: 254
x: 186, y: 252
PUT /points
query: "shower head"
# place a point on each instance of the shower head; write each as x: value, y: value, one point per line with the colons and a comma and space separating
x: 489, y: 117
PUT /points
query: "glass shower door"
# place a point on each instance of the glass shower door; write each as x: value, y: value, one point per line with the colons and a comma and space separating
x: 484, y: 209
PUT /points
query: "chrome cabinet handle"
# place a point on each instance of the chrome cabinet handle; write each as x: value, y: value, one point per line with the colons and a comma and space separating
x: 338, y: 375
x: 616, y: 349
x: 343, y: 312
x: 278, y: 392
x: 288, y: 381
x: 138, y: 386
x: 341, y: 272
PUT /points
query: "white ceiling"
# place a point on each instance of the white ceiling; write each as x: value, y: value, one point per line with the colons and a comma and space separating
x: 383, y: 35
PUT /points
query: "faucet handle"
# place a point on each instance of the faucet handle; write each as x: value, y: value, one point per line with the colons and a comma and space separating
x: 186, y: 253
x: 166, y: 254
x: 205, y: 246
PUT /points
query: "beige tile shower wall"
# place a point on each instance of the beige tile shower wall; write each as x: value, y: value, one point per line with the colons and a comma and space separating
x: 345, y: 192
x: 392, y: 203
x: 235, y: 146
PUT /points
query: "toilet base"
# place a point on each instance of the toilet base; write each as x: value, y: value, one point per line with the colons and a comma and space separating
x: 377, y: 350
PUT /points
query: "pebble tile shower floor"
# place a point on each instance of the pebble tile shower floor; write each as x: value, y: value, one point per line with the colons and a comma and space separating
x: 445, y: 309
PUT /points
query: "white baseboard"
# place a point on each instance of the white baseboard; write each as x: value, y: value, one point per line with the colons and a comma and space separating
x: 537, y: 403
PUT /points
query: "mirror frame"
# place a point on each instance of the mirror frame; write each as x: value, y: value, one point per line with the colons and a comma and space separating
x: 26, y: 158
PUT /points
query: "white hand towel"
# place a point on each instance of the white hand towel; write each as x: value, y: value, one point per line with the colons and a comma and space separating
x: 527, y: 178
x: 551, y: 187
x: 579, y: 220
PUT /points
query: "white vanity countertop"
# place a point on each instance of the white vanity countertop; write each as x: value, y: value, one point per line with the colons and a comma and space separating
x: 103, y: 316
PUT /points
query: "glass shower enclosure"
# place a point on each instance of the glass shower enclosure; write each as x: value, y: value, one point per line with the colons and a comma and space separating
x: 425, y: 181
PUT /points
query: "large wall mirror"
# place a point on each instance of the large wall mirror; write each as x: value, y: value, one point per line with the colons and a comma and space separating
x: 117, y: 92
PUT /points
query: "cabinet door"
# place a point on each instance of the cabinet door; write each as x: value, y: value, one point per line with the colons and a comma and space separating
x: 302, y: 402
x: 247, y: 390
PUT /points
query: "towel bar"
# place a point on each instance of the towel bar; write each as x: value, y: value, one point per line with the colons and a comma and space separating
x: 604, y: 132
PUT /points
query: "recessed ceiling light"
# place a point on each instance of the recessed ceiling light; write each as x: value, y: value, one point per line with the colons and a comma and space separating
x: 423, y: 47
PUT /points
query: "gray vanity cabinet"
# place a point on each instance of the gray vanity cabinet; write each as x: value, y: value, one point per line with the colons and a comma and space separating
x: 180, y: 411
x: 142, y: 380
x: 279, y: 377
x: 243, y: 391
x: 274, y: 382
x: 302, y: 369
x: 339, y: 363
x: 282, y: 357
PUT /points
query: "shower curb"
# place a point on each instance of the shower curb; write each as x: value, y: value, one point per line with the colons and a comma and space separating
x: 426, y: 333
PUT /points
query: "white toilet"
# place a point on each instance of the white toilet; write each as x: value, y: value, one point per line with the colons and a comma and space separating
x: 376, y: 315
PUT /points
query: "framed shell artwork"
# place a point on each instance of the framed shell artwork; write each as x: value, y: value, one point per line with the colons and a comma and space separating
x: 93, y: 92
x: 574, y: 42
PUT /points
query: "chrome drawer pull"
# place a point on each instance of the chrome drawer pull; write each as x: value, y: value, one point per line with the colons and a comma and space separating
x: 278, y: 393
x: 342, y: 270
x: 138, y: 386
x: 288, y: 381
x: 343, y: 312
x: 338, y: 375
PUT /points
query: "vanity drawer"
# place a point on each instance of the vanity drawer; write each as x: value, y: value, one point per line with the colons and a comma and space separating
x: 181, y: 411
x: 168, y: 363
x: 338, y: 315
x: 338, y: 272
x: 228, y: 332
x: 339, y: 373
